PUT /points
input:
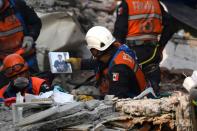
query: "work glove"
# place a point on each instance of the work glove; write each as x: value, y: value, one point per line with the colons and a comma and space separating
x: 27, y: 43
x: 75, y: 62
x: 189, y: 84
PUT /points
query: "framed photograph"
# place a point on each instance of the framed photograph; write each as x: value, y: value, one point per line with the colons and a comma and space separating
x: 58, y: 63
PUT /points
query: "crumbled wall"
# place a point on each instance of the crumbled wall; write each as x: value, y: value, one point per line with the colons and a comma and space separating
x: 89, y: 13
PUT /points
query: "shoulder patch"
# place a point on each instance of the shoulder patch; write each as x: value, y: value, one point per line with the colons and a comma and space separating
x: 127, y: 57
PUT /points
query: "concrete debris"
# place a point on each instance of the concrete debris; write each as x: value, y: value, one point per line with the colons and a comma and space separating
x: 88, y: 13
x: 174, y: 110
x: 82, y: 117
x: 6, y: 119
x: 179, y: 57
x: 92, y: 104
x: 167, y: 113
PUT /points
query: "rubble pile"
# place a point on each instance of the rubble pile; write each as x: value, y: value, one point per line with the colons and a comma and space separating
x: 88, y: 13
x: 167, y: 113
x: 173, y: 113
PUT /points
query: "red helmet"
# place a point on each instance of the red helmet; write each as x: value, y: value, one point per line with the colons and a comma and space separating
x: 14, y: 64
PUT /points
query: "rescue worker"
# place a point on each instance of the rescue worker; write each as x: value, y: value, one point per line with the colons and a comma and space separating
x: 16, y: 69
x: 117, y: 72
x: 19, y: 28
x: 139, y: 24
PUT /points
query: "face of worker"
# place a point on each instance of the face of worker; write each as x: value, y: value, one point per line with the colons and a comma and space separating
x: 100, y: 56
x: 20, y: 81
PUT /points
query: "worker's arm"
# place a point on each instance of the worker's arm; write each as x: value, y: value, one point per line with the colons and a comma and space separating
x: 31, y: 19
x: 122, y: 82
x: 121, y: 24
x: 170, y: 26
x: 88, y: 64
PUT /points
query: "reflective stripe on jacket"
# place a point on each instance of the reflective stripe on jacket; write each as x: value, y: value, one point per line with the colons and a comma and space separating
x: 34, y: 87
x: 11, y: 33
x: 144, y: 20
x: 123, y: 56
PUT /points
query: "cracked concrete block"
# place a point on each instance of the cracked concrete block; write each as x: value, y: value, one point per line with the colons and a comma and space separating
x: 92, y: 104
x: 68, y: 109
x: 83, y: 117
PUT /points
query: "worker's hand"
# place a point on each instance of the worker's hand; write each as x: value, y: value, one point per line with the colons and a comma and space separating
x: 75, y: 62
x: 27, y: 43
x: 189, y: 84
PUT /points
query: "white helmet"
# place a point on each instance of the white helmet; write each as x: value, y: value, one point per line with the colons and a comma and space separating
x: 99, y: 37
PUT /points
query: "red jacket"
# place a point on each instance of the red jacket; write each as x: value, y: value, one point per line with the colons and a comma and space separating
x: 17, y: 19
x: 144, y: 19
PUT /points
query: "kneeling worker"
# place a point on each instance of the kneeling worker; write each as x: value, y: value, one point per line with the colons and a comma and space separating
x: 117, y: 72
x: 16, y: 69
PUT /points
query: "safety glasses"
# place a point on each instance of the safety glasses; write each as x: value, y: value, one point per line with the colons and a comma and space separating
x: 14, y: 69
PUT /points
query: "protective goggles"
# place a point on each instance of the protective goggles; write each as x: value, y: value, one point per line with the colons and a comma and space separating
x: 14, y: 69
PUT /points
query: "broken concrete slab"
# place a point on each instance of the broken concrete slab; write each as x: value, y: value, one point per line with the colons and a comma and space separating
x: 179, y: 56
x: 71, y: 120
x: 57, y: 111
x: 92, y: 104
x: 68, y: 109
x: 37, y: 116
x: 56, y: 24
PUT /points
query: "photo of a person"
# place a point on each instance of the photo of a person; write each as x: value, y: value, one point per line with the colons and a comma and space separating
x: 60, y: 64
